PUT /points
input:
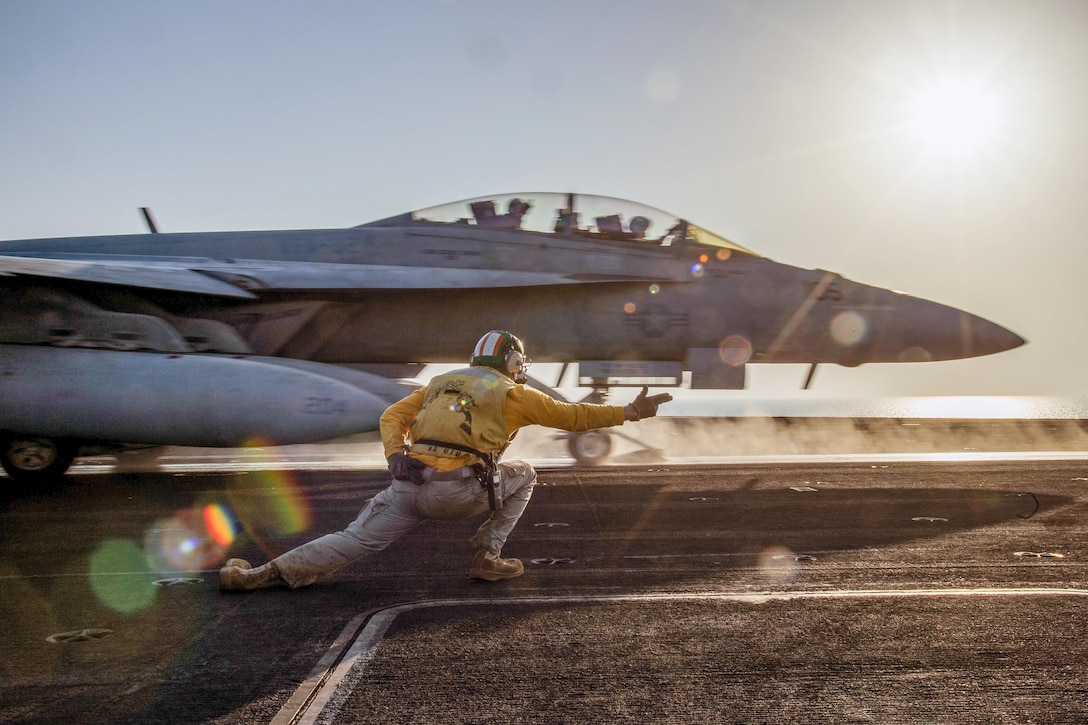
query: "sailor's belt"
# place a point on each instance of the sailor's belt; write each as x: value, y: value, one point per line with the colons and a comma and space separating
x: 456, y: 474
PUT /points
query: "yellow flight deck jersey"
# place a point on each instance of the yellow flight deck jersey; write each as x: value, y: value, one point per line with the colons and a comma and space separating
x: 523, y: 406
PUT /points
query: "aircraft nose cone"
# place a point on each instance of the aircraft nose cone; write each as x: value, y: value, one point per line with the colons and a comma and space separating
x: 952, y: 334
x: 982, y: 337
x: 918, y: 330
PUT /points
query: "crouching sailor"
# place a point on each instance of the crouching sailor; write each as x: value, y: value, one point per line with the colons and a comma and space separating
x: 443, y: 443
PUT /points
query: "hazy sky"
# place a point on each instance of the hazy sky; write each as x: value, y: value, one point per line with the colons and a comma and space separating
x: 938, y: 148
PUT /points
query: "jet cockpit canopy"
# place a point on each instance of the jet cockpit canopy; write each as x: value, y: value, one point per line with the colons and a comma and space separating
x: 572, y: 215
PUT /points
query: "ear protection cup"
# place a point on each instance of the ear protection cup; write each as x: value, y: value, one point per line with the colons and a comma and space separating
x: 500, y: 350
x: 515, y: 361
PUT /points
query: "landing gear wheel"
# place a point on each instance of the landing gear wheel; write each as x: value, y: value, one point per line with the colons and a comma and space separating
x: 32, y: 461
x: 591, y: 448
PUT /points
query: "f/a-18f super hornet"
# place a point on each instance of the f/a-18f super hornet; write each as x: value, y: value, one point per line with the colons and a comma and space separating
x: 224, y: 338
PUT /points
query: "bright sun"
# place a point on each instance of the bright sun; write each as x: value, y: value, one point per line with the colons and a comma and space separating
x: 954, y: 116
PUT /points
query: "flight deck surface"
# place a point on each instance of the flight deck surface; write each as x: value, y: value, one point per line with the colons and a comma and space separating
x: 895, y: 591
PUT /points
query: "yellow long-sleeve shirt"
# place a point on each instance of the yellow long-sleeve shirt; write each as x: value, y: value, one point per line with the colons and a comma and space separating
x: 524, y: 406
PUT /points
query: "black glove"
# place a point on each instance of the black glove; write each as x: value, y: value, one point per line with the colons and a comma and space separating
x: 406, y: 468
x: 646, y: 406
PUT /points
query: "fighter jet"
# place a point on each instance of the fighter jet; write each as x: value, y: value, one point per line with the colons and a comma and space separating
x: 278, y: 337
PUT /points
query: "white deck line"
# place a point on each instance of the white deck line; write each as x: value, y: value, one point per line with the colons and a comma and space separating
x: 301, y: 464
x: 320, y: 698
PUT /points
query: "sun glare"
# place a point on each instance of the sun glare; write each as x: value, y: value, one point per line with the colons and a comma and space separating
x: 954, y: 116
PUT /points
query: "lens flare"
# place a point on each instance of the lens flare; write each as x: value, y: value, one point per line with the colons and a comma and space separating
x: 662, y: 85
x: 778, y: 566
x: 121, y: 576
x: 915, y: 354
x: 269, y: 500
x: 735, y: 350
x: 185, y: 542
x: 220, y: 524
x: 278, y: 503
x: 655, y: 288
x: 848, y: 328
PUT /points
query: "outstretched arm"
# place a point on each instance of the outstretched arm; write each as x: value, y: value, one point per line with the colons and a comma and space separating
x: 526, y: 406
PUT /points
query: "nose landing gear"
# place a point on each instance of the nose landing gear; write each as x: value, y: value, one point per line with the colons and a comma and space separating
x: 32, y: 461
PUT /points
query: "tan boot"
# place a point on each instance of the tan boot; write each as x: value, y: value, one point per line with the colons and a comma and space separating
x: 491, y: 568
x: 238, y: 576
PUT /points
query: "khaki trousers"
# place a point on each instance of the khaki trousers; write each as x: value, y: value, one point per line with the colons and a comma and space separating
x: 403, y: 506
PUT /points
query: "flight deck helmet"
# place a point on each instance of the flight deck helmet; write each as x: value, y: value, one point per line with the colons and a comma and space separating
x: 500, y: 350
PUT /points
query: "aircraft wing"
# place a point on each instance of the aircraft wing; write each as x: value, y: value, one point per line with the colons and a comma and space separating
x: 238, y: 278
x: 316, y: 275
x: 131, y: 274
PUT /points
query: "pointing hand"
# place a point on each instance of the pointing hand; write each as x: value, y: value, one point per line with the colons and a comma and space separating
x: 645, y: 406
